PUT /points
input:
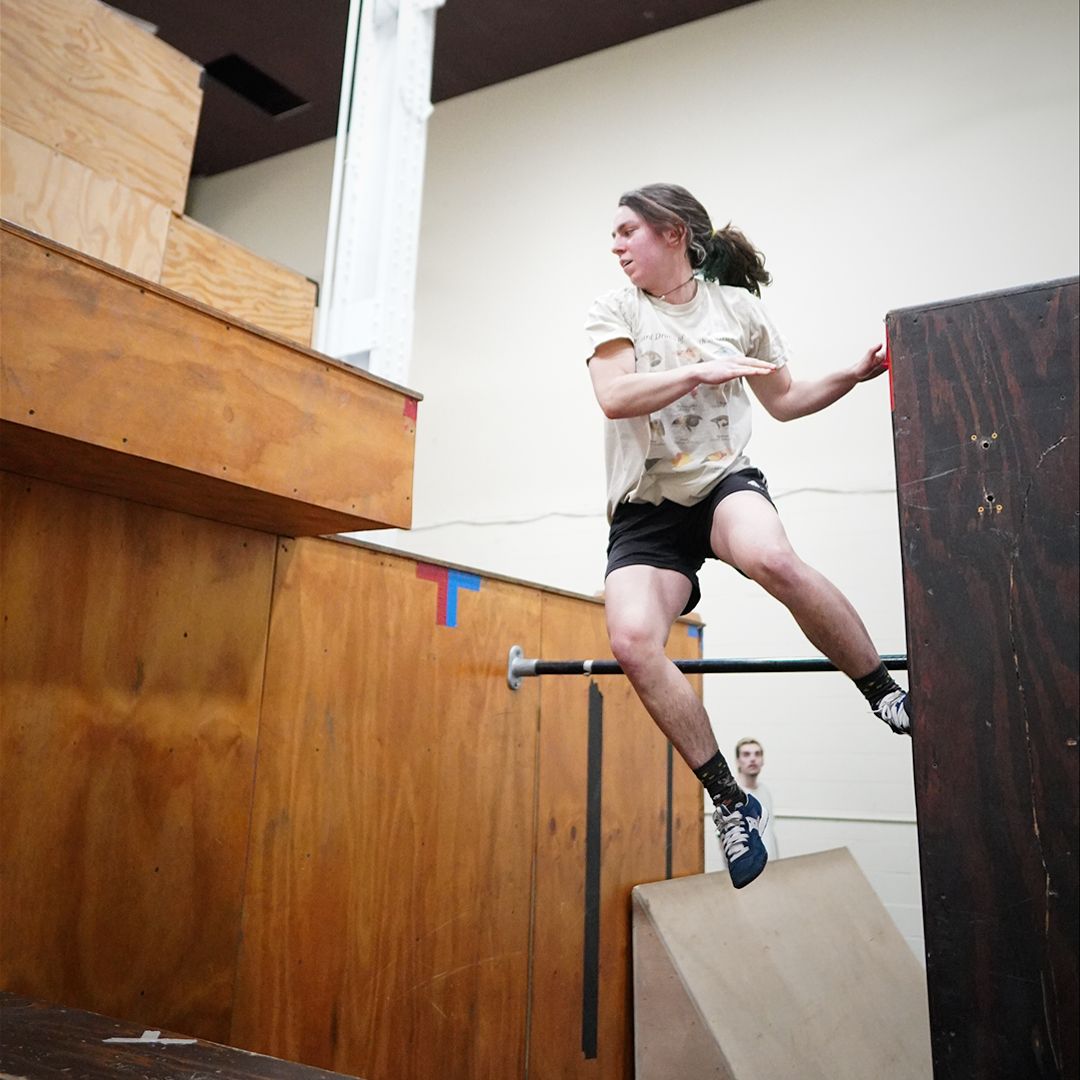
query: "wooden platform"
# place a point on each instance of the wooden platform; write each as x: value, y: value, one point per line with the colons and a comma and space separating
x: 47, y: 1042
x: 112, y: 384
x: 801, y: 975
x: 987, y: 440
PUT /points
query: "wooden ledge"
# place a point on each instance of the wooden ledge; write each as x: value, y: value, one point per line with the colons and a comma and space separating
x: 114, y: 384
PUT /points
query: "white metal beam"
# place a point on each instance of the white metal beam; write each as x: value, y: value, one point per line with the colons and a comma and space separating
x: 369, y: 274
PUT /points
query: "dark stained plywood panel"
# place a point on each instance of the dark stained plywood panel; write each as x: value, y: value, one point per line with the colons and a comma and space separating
x: 386, y: 928
x: 133, y: 642
x: 987, y: 441
x: 116, y: 384
x: 48, y: 1042
x: 581, y: 1017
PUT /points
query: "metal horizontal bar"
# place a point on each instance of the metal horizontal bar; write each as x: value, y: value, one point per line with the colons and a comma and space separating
x: 521, y: 667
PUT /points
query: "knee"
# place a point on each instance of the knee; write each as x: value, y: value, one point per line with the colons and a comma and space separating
x: 633, y: 646
x: 777, y: 568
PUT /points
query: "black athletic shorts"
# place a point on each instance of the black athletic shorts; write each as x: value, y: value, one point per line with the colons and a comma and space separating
x: 674, y: 537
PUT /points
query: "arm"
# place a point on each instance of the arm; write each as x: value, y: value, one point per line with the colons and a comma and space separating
x: 622, y: 392
x: 787, y: 399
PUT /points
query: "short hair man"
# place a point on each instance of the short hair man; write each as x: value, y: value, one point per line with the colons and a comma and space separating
x: 749, y: 760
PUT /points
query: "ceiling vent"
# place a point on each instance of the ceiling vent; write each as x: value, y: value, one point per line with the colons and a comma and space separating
x: 255, y: 85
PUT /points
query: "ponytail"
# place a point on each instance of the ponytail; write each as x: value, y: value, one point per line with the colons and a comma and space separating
x: 731, y: 259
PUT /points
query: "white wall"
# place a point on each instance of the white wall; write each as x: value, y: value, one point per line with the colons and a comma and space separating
x: 880, y: 154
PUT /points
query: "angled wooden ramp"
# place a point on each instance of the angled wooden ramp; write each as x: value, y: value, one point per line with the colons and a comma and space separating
x: 802, y: 974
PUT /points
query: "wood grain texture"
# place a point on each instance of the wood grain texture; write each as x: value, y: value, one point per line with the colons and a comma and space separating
x: 632, y: 847
x: 220, y: 273
x: 802, y: 976
x: 192, y: 401
x: 64, y: 200
x: 987, y: 438
x: 386, y: 929
x: 133, y: 643
x: 80, y: 78
x: 49, y: 1042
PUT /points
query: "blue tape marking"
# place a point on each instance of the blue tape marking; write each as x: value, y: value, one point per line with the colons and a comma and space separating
x: 457, y: 580
x: 695, y: 631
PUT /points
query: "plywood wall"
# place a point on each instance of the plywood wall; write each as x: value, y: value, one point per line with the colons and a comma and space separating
x: 205, y: 266
x: 61, y: 198
x: 97, y: 130
x: 132, y: 652
x: 278, y: 793
x: 81, y: 79
x: 602, y: 827
x: 387, y: 932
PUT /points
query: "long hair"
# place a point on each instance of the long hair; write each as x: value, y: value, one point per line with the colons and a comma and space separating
x: 722, y: 255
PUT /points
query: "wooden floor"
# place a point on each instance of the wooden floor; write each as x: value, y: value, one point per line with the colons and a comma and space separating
x: 46, y: 1041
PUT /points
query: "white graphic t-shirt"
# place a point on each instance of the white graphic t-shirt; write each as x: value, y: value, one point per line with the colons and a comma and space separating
x: 683, y: 450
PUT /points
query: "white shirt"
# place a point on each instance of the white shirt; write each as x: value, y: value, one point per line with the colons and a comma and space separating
x: 681, y: 451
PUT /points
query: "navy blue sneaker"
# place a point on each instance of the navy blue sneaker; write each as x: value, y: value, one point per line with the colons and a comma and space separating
x: 740, y: 832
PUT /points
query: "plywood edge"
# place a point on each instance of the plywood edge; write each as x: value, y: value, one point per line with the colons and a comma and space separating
x: 671, y: 1037
x: 693, y: 619
x: 223, y: 274
x: 974, y: 298
x: 43, y: 455
x: 60, y: 198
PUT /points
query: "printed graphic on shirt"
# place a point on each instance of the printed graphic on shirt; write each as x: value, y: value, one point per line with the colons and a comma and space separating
x: 680, y: 451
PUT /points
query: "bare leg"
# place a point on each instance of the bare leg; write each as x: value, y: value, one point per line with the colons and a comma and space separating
x: 748, y: 534
x: 641, y: 603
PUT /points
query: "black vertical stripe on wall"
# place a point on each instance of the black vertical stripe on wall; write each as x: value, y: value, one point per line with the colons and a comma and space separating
x: 590, y: 969
x: 670, y: 808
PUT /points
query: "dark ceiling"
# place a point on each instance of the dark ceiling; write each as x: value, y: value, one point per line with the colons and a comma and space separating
x: 286, y: 55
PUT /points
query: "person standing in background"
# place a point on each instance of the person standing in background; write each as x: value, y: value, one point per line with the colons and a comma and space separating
x: 749, y: 760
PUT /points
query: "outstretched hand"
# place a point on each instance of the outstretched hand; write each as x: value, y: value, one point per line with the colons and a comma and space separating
x: 715, y: 372
x: 872, y: 364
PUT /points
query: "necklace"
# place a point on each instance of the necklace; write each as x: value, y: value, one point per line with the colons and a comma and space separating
x: 664, y: 296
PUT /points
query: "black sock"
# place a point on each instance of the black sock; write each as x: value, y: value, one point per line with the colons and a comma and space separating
x: 876, y: 685
x: 719, y: 783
